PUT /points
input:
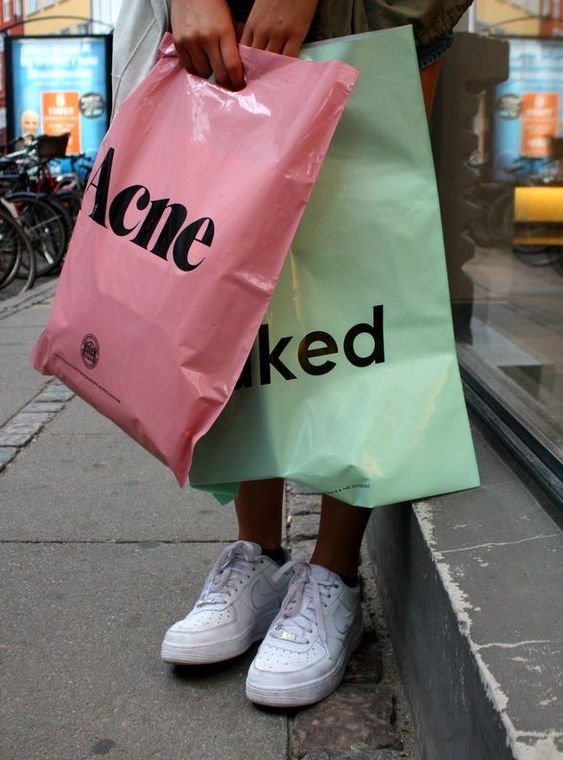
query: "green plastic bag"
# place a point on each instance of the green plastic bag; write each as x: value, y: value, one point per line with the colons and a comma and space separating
x: 353, y: 387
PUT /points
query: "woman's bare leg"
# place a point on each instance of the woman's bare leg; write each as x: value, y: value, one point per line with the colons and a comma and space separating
x: 341, y: 530
x: 259, y: 512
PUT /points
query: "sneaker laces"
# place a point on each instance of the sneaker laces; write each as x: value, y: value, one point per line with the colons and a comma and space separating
x: 302, y: 607
x: 232, y: 566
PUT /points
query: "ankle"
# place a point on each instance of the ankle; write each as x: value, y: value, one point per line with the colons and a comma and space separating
x: 336, y: 565
x: 271, y: 544
x: 277, y: 555
x: 349, y: 576
x: 349, y: 580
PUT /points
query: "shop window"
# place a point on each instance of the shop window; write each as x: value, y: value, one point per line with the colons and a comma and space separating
x: 498, y: 137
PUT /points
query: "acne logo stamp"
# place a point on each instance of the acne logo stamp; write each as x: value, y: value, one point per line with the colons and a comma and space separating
x: 90, y: 350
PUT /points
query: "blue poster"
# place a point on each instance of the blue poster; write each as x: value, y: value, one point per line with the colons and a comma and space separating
x: 528, y: 108
x: 59, y: 85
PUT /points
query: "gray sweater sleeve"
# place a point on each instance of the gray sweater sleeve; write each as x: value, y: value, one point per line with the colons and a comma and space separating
x: 139, y: 29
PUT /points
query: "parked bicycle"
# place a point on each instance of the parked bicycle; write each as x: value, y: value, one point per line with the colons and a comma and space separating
x: 16, y: 255
x: 499, y: 221
x: 42, y: 205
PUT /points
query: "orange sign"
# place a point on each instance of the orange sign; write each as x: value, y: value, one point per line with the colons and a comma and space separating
x: 539, y: 115
x: 60, y: 113
x: 550, y: 27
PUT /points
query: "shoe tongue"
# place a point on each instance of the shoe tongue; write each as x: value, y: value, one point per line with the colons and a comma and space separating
x: 229, y: 563
x: 301, y: 617
x: 323, y: 574
x: 252, y: 548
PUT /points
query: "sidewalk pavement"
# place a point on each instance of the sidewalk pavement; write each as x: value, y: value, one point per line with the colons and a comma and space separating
x: 99, y: 553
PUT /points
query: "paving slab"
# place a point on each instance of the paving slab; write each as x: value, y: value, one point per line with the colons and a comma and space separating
x: 304, y: 527
x: 84, y: 479
x: 7, y: 454
x: 305, y: 504
x: 19, y: 382
x: 351, y: 715
x: 43, y: 290
x: 357, y: 752
x: 80, y: 676
x: 302, y: 551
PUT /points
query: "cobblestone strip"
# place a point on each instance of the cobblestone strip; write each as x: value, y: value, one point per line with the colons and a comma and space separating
x: 359, y: 720
x: 31, y: 419
x: 34, y: 296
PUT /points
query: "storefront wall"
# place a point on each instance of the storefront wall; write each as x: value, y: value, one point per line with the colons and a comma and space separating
x: 510, y: 18
x: 46, y: 17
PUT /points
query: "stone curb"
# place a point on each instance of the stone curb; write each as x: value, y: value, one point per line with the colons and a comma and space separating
x: 471, y: 587
x: 24, y: 426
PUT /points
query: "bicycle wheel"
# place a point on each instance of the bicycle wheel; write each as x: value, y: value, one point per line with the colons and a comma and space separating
x: 10, y: 254
x: 536, y: 256
x: 500, y: 219
x: 530, y: 247
x: 17, y: 253
x: 46, y: 224
x: 71, y: 201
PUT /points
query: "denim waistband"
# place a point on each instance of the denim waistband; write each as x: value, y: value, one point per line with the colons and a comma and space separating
x: 430, y: 53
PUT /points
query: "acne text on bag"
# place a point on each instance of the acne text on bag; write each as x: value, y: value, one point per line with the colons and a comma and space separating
x: 121, y: 215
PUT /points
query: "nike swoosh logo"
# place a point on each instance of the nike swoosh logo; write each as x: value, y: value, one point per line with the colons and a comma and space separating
x: 343, y: 619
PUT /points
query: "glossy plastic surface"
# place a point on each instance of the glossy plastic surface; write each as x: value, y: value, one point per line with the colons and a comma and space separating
x: 191, y: 208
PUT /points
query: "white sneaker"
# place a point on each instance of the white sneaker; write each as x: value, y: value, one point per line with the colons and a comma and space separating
x: 304, y: 654
x: 239, y: 600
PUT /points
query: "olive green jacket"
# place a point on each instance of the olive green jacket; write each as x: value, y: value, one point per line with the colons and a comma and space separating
x: 142, y: 23
x: 431, y: 19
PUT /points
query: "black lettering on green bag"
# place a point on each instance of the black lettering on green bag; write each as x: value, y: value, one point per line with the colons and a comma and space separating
x: 271, y: 358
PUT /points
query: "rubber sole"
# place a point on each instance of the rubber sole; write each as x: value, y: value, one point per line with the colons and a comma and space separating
x: 307, y: 693
x: 180, y: 654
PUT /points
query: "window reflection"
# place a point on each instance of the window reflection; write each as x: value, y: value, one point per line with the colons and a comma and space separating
x: 498, y: 141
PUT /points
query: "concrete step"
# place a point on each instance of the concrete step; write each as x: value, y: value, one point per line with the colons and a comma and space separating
x: 472, y: 586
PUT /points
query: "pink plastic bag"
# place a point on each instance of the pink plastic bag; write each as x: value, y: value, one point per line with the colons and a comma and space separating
x: 191, y: 208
